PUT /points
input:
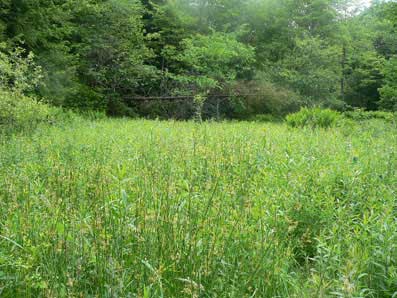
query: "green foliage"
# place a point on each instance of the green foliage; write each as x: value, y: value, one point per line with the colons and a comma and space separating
x: 265, y: 118
x: 390, y: 10
x: 87, y: 49
x: 315, y: 117
x: 315, y: 17
x: 310, y: 70
x: 166, y: 27
x: 113, y: 53
x: 364, y: 78
x: 179, y: 110
x: 199, y: 103
x: 388, y: 91
x: 360, y: 115
x: 370, y: 44
x: 100, y: 55
x: 214, y: 61
x: 4, y: 8
x: 18, y: 73
x: 45, y: 28
x: 19, y: 112
x: 87, y: 99
x: 18, y: 76
x: 262, y: 97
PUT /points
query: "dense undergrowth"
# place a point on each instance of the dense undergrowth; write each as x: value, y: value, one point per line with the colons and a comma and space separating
x: 134, y: 208
x: 315, y: 117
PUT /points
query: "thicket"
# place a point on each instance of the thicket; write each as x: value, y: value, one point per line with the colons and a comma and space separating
x: 270, y: 56
x: 367, y: 115
x: 19, y: 76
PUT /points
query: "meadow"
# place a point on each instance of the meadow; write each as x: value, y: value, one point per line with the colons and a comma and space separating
x: 137, y: 208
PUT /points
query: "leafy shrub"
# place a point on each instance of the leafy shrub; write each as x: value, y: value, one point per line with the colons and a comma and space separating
x: 214, y: 60
x: 388, y: 98
x: 262, y: 97
x: 19, y: 76
x: 314, y: 117
x: 360, y: 115
x: 18, y: 71
x: 21, y: 112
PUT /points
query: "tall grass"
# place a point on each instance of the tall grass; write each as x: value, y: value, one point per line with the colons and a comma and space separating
x: 118, y: 208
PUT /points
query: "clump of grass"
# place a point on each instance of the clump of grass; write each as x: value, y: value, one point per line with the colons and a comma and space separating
x: 314, y: 117
x: 120, y: 208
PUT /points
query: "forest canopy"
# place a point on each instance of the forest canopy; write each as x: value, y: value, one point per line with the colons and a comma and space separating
x: 268, y: 56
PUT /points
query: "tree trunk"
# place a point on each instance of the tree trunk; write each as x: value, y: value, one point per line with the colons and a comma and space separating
x: 343, y: 66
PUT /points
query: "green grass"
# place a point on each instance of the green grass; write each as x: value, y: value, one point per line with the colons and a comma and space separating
x: 121, y: 208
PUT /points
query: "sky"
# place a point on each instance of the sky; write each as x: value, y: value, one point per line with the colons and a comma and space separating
x: 360, y: 4
x: 367, y: 2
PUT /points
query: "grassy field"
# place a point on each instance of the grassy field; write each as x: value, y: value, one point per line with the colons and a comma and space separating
x: 124, y: 208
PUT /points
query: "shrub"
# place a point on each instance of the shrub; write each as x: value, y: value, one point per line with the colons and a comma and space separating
x: 17, y: 70
x: 360, y: 115
x: 19, y: 77
x: 261, y: 97
x: 19, y: 112
x: 314, y: 117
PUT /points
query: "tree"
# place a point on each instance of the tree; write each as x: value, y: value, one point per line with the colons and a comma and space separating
x: 311, y: 69
x: 215, y: 60
x: 92, y: 52
x: 388, y: 91
x: 360, y: 36
x: 95, y: 54
x: 112, y: 51
x: 4, y: 11
x: 165, y: 28
x: 363, y: 78
x: 46, y: 28
x: 212, y: 62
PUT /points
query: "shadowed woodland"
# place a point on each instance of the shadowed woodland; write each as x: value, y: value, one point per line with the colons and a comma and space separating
x: 266, y: 56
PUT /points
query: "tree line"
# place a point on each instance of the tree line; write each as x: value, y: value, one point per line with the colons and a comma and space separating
x: 270, y: 56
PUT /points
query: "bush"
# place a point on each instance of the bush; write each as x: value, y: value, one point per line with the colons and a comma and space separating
x: 18, y: 73
x: 18, y: 112
x: 19, y: 77
x: 314, y: 117
x: 262, y: 97
x: 360, y: 115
